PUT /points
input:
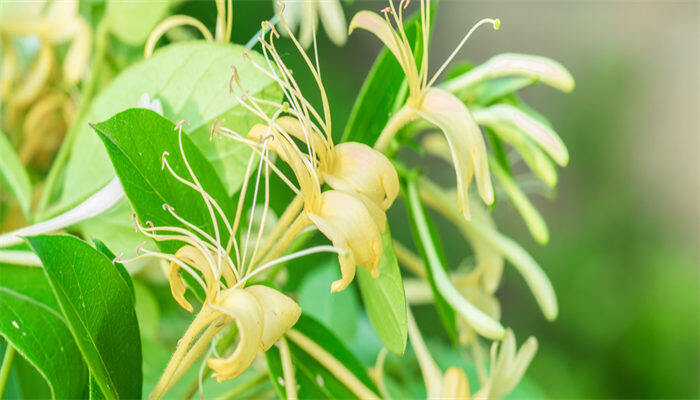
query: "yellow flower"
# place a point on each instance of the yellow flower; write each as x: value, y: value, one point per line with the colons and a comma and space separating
x: 37, y: 101
x: 432, y: 104
x: 364, y: 182
x: 222, y: 269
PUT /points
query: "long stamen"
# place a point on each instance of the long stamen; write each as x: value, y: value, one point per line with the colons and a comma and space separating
x: 496, y: 25
x: 288, y: 257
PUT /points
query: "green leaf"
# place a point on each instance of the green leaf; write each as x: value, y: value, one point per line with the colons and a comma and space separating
x: 430, y: 249
x: 385, y: 299
x: 314, y: 379
x: 13, y: 174
x: 99, y: 311
x: 191, y: 80
x: 382, y: 93
x: 135, y: 141
x: 102, y: 248
x: 133, y: 21
x: 32, y: 323
x: 339, y: 311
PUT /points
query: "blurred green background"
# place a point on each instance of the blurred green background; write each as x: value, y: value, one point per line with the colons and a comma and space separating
x: 623, y: 254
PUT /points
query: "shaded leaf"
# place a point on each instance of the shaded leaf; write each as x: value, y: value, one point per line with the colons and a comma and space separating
x: 384, y: 298
x: 32, y: 323
x: 133, y: 21
x: 99, y: 311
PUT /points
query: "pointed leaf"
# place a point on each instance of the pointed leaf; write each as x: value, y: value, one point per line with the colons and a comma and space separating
x: 98, y: 308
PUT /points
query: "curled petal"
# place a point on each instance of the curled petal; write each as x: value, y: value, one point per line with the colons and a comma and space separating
x: 344, y: 220
x: 503, y: 114
x: 533, y: 156
x: 466, y: 143
x: 359, y: 168
x: 194, y: 257
x: 78, y: 54
x: 510, y: 64
x: 307, y: 30
x: 279, y: 313
x: 293, y: 127
x: 507, y: 366
x: 377, y: 25
x: 244, y: 309
x: 455, y: 384
x: 333, y: 19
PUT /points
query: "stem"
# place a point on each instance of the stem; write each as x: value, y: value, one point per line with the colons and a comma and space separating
x: 332, y: 364
x: 283, y: 223
x: 409, y: 259
x: 428, y: 368
x: 202, y: 319
x: 405, y: 115
x: 6, y: 367
x: 223, y: 344
x: 243, y: 387
x: 301, y: 222
x: 86, y: 95
x: 290, y: 382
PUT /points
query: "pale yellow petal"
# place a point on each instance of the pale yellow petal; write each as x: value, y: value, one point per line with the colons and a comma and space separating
x: 510, y: 64
x: 245, y: 310
x: 76, y: 62
x: 455, y: 384
x: 309, y: 20
x: 377, y: 25
x: 359, y: 168
x: 345, y: 220
x: 466, y: 143
x: 280, y: 313
x: 544, y: 136
x: 333, y: 20
x: 191, y: 256
x: 60, y: 20
x: 36, y: 78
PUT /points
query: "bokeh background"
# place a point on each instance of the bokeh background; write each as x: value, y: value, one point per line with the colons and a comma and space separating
x: 623, y: 254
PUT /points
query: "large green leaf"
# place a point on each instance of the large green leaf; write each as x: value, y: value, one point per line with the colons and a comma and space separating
x: 191, y: 80
x: 385, y: 299
x: 99, y: 310
x: 339, y: 311
x: 135, y: 141
x: 428, y: 244
x: 13, y: 175
x: 133, y: 21
x: 31, y: 321
x: 314, y: 380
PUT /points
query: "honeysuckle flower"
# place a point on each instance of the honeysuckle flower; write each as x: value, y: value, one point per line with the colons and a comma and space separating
x: 221, y: 266
x: 37, y: 101
x: 430, y: 103
x: 537, y: 68
x: 305, y: 14
x: 507, y: 366
x: 364, y: 183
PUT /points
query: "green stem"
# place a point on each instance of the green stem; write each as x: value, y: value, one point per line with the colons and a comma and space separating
x: 234, y: 393
x: 405, y: 115
x: 224, y: 343
x: 6, y: 367
x: 86, y: 95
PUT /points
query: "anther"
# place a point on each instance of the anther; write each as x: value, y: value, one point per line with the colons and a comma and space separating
x: 117, y: 258
x: 163, y: 161
x: 138, y: 248
x: 180, y: 123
